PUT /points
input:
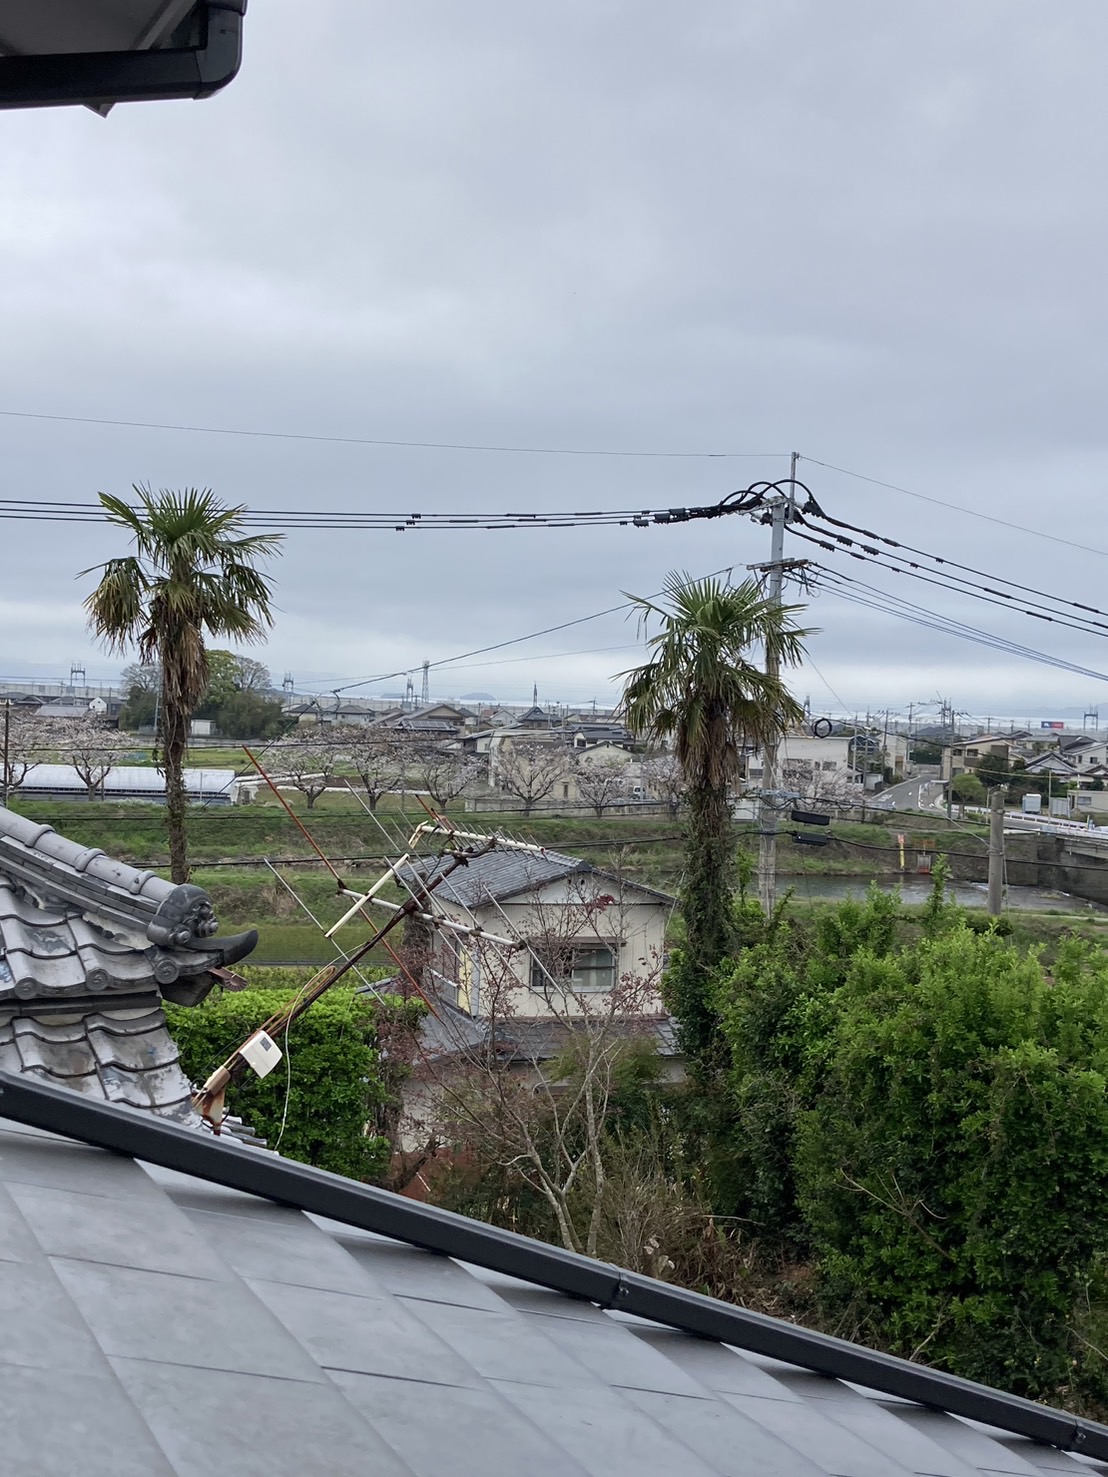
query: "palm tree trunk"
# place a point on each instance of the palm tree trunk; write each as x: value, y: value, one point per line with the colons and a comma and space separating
x: 707, y: 905
x: 707, y: 894
x: 175, y: 721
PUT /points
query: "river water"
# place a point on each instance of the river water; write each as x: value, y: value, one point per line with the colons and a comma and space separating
x: 917, y: 889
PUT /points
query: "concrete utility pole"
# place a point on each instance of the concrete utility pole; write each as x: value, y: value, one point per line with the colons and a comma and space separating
x: 767, y: 813
x: 996, y: 851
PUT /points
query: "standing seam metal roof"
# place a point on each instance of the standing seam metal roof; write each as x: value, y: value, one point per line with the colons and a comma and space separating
x: 155, y: 1325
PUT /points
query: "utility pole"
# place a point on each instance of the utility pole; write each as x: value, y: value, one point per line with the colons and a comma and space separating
x: 996, y: 851
x: 767, y: 814
x: 7, y: 740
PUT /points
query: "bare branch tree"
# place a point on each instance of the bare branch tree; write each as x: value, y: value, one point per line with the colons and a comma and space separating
x: 664, y: 777
x: 445, y: 773
x: 92, y: 748
x: 377, y: 755
x: 531, y: 1093
x: 141, y: 677
x: 601, y: 782
x: 307, y: 764
x: 530, y: 770
x: 827, y: 786
x: 30, y: 740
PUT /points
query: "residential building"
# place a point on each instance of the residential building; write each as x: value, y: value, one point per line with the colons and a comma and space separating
x: 537, y: 718
x: 1051, y: 763
x: 439, y: 720
x: 335, y: 710
x: 1084, y: 752
x: 585, y: 929
x: 175, y: 1303
x: 613, y: 735
x: 964, y: 755
x: 816, y: 768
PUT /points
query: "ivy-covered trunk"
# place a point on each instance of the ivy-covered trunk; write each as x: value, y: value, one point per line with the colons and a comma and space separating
x: 706, y: 896
x: 707, y: 907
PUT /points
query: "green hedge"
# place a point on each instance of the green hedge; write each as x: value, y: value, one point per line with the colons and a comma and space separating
x: 336, y: 1083
x: 927, y: 1126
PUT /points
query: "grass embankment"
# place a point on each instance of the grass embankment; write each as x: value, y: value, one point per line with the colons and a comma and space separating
x: 229, y: 847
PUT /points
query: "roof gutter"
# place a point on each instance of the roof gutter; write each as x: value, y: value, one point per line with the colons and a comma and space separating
x: 142, y: 1136
x: 100, y: 79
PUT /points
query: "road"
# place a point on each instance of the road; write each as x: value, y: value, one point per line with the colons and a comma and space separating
x: 911, y: 795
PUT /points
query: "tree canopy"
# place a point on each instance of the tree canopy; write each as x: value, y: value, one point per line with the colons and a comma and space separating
x: 704, y: 691
x: 193, y: 572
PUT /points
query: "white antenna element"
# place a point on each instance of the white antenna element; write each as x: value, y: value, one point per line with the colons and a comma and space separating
x: 365, y: 897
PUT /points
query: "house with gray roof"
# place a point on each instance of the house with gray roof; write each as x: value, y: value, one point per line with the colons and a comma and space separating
x: 582, y: 930
x: 173, y: 1304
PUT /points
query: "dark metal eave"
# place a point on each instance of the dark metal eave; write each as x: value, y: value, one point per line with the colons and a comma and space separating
x: 141, y: 1136
x: 101, y: 78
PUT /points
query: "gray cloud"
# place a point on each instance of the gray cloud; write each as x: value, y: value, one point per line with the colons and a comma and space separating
x: 873, y: 233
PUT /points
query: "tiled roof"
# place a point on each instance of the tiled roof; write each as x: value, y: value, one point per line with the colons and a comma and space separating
x: 57, y: 951
x: 119, y: 1056
x: 498, y: 874
x: 155, y: 1325
x: 502, y: 874
x: 448, y: 1031
x: 89, y: 947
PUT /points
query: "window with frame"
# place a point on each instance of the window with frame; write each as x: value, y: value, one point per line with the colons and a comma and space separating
x: 579, y: 968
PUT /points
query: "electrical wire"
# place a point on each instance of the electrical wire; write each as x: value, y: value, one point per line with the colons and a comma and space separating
x: 952, y: 563
x: 955, y: 507
x: 888, y: 604
x: 957, y: 584
x: 499, y: 645
x: 89, y: 420
x: 37, y: 510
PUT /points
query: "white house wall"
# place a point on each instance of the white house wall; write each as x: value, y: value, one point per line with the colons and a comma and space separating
x: 636, y: 921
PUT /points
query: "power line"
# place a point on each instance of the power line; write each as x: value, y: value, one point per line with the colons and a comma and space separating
x: 954, y: 564
x: 498, y: 645
x: 746, y: 500
x: 981, y: 638
x: 89, y: 420
x: 897, y: 564
x: 873, y: 598
x: 955, y: 507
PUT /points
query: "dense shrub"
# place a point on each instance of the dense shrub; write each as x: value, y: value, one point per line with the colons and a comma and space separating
x: 930, y: 1125
x: 318, y: 1102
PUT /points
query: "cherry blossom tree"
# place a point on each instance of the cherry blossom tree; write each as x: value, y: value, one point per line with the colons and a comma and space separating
x: 530, y: 770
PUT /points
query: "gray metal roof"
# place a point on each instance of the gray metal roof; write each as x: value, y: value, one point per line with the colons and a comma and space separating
x: 31, y: 26
x: 131, y: 779
x: 501, y: 874
x: 155, y: 1325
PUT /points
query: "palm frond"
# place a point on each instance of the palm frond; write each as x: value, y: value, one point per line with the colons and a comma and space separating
x: 702, y: 688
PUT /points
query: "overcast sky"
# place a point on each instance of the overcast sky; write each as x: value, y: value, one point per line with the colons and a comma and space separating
x: 871, y: 233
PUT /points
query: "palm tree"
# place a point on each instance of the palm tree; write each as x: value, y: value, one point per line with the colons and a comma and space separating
x: 192, y: 571
x: 701, y: 692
